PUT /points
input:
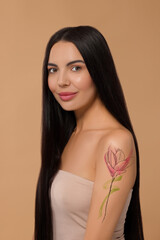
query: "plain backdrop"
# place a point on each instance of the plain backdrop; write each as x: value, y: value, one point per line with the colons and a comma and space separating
x: 133, y: 34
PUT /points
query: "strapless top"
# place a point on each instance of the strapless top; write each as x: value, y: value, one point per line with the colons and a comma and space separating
x: 70, y: 201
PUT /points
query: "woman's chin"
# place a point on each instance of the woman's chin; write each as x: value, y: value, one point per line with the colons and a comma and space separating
x: 67, y: 108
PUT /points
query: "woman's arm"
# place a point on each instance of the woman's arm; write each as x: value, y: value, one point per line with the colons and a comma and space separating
x: 115, y: 177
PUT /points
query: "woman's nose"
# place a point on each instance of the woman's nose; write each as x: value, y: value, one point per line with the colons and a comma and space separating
x: 63, y: 79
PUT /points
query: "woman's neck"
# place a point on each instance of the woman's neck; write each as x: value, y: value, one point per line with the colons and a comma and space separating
x: 94, y: 116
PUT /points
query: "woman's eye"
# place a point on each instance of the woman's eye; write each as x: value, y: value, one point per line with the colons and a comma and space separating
x: 76, y: 68
x: 52, y: 70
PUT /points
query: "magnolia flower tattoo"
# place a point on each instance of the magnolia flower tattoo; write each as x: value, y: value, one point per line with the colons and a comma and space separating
x: 116, y: 163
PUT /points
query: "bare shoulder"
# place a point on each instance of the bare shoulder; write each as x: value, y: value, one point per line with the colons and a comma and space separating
x: 118, y: 138
x: 121, y: 136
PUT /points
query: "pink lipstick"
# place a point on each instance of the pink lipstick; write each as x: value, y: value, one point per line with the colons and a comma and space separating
x: 67, y: 95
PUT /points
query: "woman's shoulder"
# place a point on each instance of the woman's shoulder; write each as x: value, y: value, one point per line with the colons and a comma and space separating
x: 119, y: 138
x: 117, y: 134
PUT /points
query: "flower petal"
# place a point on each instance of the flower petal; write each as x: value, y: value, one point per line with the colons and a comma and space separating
x: 110, y: 168
x: 120, y: 155
x: 112, y: 159
x: 121, y: 166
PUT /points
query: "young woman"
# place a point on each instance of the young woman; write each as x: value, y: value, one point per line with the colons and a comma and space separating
x: 88, y: 187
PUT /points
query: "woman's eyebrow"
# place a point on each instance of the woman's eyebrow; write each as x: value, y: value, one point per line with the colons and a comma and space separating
x: 75, y: 61
x: 72, y: 62
x: 52, y: 64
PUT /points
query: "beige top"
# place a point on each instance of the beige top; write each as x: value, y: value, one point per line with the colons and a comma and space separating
x: 70, y: 201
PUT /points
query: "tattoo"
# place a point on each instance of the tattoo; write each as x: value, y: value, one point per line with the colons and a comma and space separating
x: 116, y: 163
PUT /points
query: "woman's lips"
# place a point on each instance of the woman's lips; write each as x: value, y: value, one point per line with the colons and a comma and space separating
x: 67, y: 95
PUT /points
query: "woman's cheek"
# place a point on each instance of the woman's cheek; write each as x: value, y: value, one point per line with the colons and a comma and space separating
x: 83, y: 82
x: 51, y: 85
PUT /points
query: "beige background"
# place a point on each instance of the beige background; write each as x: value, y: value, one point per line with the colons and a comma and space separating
x: 133, y: 33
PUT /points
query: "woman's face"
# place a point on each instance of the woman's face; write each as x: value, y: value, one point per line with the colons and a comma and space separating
x: 68, y: 77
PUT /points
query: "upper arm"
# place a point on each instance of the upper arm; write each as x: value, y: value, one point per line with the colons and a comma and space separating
x: 115, y: 177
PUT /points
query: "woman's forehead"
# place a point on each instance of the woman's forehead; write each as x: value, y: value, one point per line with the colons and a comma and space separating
x: 64, y: 51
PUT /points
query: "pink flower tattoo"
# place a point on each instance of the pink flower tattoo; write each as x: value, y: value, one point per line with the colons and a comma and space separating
x: 116, y: 163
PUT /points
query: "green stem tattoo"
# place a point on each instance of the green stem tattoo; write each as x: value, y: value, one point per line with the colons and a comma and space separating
x: 108, y: 198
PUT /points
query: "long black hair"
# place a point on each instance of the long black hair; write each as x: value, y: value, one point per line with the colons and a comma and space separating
x: 58, y: 124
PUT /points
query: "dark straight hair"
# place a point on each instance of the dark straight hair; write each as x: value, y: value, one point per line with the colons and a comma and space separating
x: 58, y: 125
